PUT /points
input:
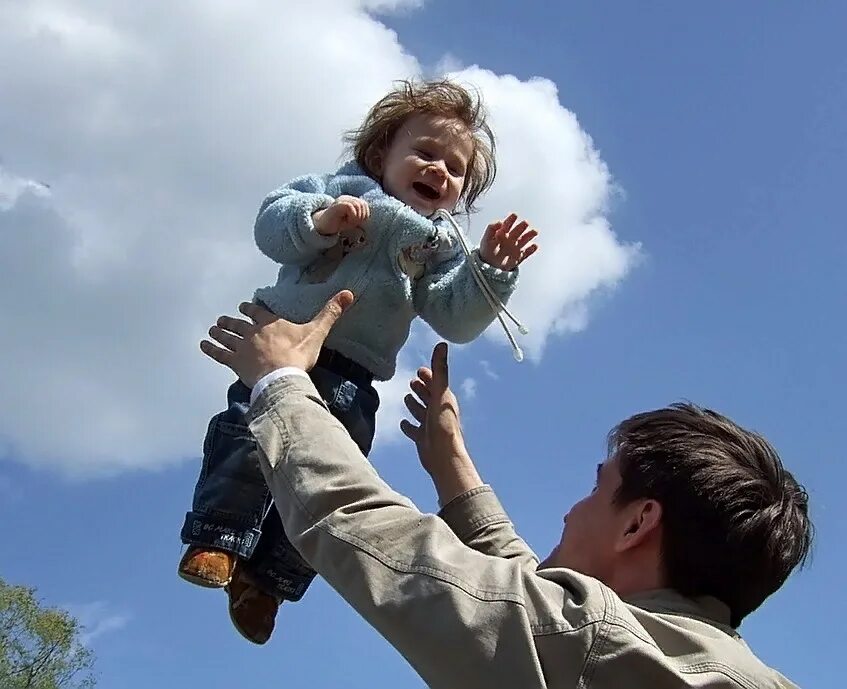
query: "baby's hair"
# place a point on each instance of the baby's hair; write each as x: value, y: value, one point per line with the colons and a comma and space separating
x: 443, y: 98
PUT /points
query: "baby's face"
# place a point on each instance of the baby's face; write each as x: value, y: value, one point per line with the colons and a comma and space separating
x: 426, y: 164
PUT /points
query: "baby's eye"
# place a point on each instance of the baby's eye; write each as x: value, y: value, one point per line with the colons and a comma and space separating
x: 423, y: 154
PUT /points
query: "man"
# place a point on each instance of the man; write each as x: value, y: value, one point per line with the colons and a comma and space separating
x: 692, y: 524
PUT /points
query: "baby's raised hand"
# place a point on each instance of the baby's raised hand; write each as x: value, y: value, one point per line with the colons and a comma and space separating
x: 345, y: 213
x: 507, y: 243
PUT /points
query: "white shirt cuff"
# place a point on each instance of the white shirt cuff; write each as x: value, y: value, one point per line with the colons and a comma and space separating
x: 263, y: 382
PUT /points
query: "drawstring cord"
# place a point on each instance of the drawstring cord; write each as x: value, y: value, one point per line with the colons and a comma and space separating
x: 488, y: 292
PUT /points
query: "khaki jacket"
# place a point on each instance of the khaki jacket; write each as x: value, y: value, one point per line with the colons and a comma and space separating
x: 459, y: 594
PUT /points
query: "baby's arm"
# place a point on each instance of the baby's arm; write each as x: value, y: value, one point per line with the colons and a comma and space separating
x: 447, y: 296
x: 284, y: 230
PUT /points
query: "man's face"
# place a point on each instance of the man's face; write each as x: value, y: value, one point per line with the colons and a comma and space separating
x: 592, y: 528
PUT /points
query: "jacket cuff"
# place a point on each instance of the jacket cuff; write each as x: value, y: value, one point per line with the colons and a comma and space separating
x: 471, y: 510
x: 278, y: 388
x: 502, y: 278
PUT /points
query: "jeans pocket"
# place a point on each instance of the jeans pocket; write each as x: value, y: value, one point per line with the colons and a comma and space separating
x: 355, y: 407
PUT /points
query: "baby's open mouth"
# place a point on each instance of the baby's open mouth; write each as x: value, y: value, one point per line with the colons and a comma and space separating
x: 426, y: 191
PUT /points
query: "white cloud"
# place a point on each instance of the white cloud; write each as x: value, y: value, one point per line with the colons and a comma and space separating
x: 387, y: 6
x: 96, y: 620
x: 468, y: 388
x: 13, y: 187
x: 550, y: 173
x: 158, y: 130
x: 488, y: 370
x: 391, y: 406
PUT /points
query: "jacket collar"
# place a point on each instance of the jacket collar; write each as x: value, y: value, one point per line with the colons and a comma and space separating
x: 669, y: 601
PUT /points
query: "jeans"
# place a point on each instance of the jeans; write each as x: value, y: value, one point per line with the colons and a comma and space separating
x: 232, y: 507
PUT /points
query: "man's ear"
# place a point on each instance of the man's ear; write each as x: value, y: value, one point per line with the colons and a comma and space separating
x: 642, y: 522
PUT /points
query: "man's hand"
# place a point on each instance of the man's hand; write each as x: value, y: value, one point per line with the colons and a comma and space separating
x: 505, y: 245
x: 345, y: 213
x: 438, y: 438
x: 254, y: 349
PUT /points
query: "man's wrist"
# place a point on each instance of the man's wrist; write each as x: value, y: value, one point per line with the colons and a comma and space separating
x: 275, y: 375
x: 455, y: 477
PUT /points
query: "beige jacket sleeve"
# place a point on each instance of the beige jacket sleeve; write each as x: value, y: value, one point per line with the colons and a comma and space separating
x: 480, y: 522
x: 461, y: 617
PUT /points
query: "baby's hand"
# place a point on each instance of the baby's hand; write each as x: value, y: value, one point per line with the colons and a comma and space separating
x: 345, y: 213
x: 505, y: 245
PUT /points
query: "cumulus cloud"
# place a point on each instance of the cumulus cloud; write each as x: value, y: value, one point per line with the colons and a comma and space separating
x: 468, y: 388
x: 391, y: 408
x: 136, y: 144
x: 552, y: 175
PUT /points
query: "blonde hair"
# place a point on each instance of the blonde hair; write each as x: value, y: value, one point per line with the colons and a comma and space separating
x: 444, y: 98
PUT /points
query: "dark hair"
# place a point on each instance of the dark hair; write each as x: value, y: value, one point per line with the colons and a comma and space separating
x: 735, y: 522
x: 444, y: 98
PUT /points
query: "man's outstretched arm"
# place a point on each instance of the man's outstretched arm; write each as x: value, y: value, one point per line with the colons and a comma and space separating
x: 468, y: 506
x: 449, y: 609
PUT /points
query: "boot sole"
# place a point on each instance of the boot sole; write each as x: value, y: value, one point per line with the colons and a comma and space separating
x: 197, y: 580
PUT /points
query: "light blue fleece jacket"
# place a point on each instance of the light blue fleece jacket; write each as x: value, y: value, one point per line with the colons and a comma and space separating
x: 440, y: 288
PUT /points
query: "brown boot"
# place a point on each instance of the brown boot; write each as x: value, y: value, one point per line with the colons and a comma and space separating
x: 252, y: 611
x: 207, y: 567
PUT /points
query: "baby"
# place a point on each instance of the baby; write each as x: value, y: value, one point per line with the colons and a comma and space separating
x: 381, y: 227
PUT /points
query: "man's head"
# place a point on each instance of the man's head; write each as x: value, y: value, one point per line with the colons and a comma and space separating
x: 429, y: 144
x: 691, y: 501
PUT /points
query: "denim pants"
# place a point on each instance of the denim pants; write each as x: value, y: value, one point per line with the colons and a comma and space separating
x: 232, y: 507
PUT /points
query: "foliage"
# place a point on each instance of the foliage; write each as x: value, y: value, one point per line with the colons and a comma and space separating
x: 40, y: 647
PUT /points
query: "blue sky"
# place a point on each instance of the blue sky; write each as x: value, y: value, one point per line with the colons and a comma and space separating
x: 723, y: 126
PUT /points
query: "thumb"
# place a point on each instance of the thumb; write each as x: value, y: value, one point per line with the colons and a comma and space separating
x: 322, y: 323
x: 440, y: 369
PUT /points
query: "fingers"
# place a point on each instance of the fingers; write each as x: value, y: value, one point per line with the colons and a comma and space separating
x: 525, y: 238
x: 356, y: 210
x: 363, y: 210
x: 211, y: 350
x: 526, y: 253
x: 354, y: 213
x: 411, y: 431
x: 416, y: 409
x: 492, y: 230
x: 508, y: 222
x: 514, y: 243
x: 227, y: 339
x: 421, y: 390
x: 440, y: 369
x: 235, y: 325
x: 331, y: 312
x: 515, y: 232
x: 230, y: 332
x: 254, y: 312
